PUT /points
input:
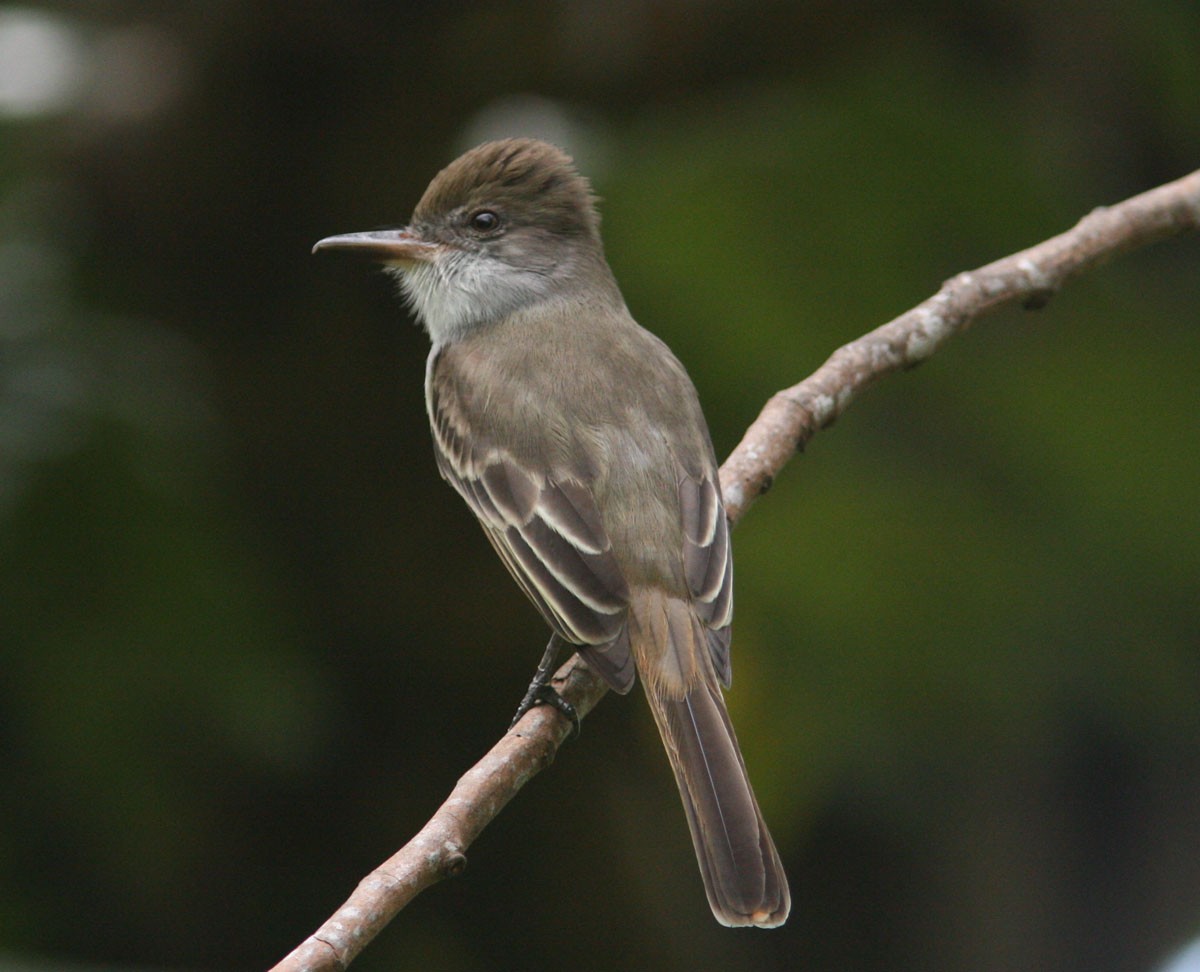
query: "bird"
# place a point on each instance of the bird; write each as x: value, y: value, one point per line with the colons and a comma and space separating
x: 577, y: 439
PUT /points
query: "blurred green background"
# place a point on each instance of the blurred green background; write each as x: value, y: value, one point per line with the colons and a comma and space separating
x: 249, y: 640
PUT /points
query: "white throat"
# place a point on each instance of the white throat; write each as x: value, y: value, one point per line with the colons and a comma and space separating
x: 458, y: 291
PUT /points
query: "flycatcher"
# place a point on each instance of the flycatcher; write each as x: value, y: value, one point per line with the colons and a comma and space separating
x: 577, y: 439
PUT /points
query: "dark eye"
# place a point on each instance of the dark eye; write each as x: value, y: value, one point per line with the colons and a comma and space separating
x: 484, y: 221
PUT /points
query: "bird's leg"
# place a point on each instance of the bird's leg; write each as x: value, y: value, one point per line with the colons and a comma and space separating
x: 541, y: 692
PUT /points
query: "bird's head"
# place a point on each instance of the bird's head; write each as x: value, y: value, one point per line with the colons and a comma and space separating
x: 506, y: 225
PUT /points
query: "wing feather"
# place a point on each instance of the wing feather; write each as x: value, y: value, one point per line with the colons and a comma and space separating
x: 543, y: 521
x: 548, y: 533
x: 708, y: 563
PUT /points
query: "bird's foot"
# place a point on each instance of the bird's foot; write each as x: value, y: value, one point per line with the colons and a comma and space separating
x: 541, y: 693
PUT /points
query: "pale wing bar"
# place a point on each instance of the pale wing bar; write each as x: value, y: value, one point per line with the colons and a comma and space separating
x: 550, y: 537
x: 708, y: 564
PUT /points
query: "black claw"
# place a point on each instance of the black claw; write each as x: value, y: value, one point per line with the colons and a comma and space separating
x: 547, y: 695
x: 540, y: 691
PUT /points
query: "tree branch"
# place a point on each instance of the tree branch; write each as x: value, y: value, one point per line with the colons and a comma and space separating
x: 1031, y: 278
x: 789, y: 420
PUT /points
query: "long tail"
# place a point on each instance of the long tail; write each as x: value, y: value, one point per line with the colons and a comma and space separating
x: 742, y: 873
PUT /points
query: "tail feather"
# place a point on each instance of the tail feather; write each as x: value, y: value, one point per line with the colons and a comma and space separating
x: 742, y: 873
